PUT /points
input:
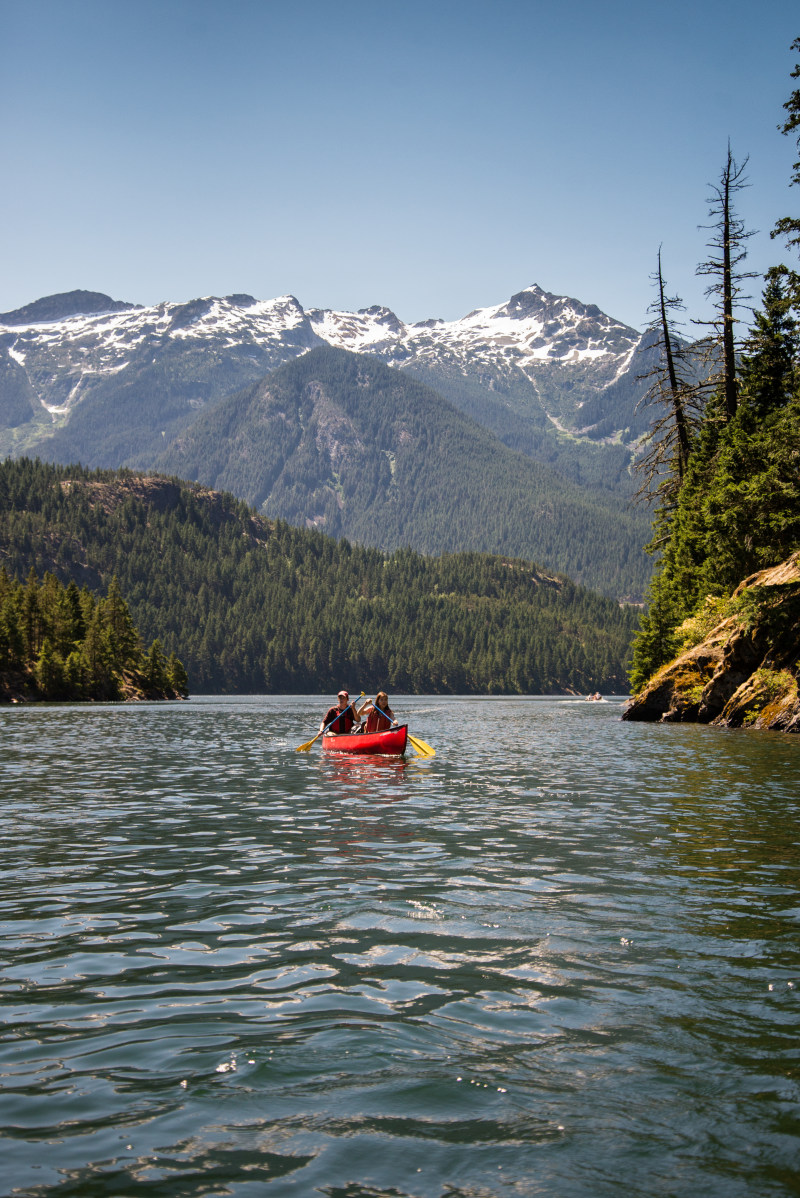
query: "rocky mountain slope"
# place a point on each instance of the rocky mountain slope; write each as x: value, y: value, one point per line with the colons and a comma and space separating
x: 339, y: 442
x: 82, y: 375
x: 741, y: 664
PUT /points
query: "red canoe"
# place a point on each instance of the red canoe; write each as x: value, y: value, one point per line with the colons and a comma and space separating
x: 392, y: 741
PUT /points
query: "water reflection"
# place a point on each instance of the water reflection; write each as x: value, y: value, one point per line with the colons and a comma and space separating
x: 561, y: 957
x: 361, y: 771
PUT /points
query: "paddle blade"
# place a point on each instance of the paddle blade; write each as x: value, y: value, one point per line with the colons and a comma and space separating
x: 421, y: 747
x: 304, y: 748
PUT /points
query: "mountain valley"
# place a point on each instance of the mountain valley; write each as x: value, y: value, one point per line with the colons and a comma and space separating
x: 525, y: 417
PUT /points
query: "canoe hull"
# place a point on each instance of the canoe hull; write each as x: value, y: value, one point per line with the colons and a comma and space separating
x: 392, y: 742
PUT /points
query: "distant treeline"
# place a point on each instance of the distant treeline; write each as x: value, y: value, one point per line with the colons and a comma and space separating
x: 259, y: 606
x: 59, y: 642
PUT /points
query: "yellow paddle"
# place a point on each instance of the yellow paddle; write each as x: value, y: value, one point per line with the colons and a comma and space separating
x: 304, y: 748
x: 422, y: 748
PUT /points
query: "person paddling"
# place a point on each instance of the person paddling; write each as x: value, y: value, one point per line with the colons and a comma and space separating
x: 380, y: 714
x: 341, y: 717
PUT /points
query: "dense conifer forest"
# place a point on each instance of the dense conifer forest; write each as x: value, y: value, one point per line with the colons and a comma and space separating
x: 341, y: 441
x: 725, y: 465
x: 59, y: 642
x: 256, y: 606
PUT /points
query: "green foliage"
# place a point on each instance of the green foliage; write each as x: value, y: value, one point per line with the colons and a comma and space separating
x: 694, y: 630
x: 769, y: 690
x: 155, y: 667
x: 341, y: 442
x: 789, y: 226
x: 514, y: 412
x: 260, y: 606
x: 59, y: 643
x: 773, y: 684
x: 770, y: 368
x: 738, y: 510
x: 176, y: 677
x: 738, y: 506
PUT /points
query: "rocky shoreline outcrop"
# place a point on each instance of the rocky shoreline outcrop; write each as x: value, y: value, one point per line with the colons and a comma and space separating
x: 743, y: 670
x: 21, y: 687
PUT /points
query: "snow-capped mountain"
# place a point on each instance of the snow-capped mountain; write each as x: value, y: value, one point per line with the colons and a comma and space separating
x: 534, y: 366
x: 62, y: 358
x: 532, y: 328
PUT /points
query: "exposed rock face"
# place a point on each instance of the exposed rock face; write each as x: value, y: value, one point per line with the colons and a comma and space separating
x: 82, y: 365
x: 744, y: 671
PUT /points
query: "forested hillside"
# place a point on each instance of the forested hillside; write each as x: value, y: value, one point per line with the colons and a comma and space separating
x: 59, y: 642
x: 511, y: 409
x: 341, y: 442
x: 255, y: 605
x: 724, y: 467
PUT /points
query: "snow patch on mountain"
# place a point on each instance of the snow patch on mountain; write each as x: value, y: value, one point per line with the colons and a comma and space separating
x: 531, y: 332
x: 533, y: 327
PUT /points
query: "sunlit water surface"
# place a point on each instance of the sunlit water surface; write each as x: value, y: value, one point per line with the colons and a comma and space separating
x: 562, y: 957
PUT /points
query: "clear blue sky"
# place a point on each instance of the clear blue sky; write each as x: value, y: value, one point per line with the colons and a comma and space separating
x: 431, y: 155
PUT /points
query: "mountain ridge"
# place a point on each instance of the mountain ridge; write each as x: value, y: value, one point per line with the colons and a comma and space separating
x: 340, y: 442
x: 259, y: 606
x: 535, y: 354
x: 63, y: 305
x: 552, y: 379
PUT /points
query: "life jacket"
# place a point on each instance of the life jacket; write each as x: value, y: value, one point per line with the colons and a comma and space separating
x: 342, y: 722
x: 377, y: 721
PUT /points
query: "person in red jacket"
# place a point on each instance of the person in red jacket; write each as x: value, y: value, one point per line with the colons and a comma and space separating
x: 342, y: 717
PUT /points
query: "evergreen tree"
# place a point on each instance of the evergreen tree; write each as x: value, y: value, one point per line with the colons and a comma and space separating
x: 123, y: 640
x: 789, y: 226
x: 155, y: 667
x: 770, y: 373
x: 32, y: 624
x: 50, y: 672
x: 97, y: 659
x: 74, y: 676
x: 12, y: 648
x: 738, y: 508
x: 58, y: 643
x: 254, y: 605
x: 177, y: 678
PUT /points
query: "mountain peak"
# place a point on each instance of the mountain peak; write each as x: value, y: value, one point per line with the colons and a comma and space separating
x: 64, y: 304
x: 241, y: 300
x: 534, y: 301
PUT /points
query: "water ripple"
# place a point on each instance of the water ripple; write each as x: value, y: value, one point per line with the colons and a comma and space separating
x: 561, y: 957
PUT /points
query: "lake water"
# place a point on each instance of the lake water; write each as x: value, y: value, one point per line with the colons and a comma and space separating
x: 562, y: 957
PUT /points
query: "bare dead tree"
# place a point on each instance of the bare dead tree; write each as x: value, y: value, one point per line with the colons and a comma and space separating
x: 676, y: 391
x: 728, y: 251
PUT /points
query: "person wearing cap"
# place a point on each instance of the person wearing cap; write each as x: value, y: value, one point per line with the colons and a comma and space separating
x: 341, y: 717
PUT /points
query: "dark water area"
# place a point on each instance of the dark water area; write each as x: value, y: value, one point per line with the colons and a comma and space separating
x: 562, y: 957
